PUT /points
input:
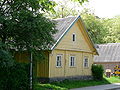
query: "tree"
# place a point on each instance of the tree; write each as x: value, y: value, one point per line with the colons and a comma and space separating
x: 113, y: 26
x: 22, y: 18
x: 95, y: 26
x: 23, y: 27
x: 63, y: 9
x: 81, y: 1
x: 66, y: 8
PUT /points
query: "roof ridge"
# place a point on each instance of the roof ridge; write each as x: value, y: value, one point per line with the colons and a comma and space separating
x: 64, y: 17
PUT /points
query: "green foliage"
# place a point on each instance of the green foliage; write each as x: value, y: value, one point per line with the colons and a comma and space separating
x: 97, y: 72
x: 95, y: 27
x: 102, y: 30
x: 5, y: 59
x: 14, y: 77
x: 63, y: 8
x: 81, y: 1
x: 113, y: 26
x: 22, y: 26
x: 62, y: 11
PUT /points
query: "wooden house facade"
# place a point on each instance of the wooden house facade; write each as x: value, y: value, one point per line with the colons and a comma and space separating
x: 71, y: 56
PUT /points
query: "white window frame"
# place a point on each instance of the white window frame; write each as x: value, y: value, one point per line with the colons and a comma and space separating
x: 74, y: 39
x: 58, y: 55
x: 73, y: 63
x: 86, y: 57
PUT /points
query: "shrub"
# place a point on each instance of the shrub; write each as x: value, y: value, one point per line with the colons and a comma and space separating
x: 15, y: 77
x: 97, y: 72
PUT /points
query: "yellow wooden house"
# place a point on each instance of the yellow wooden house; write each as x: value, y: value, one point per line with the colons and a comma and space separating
x: 72, y: 54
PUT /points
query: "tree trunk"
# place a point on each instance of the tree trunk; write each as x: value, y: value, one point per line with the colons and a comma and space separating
x: 31, y: 71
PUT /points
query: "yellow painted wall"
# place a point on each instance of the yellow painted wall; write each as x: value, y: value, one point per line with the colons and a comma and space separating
x: 79, y: 44
x: 66, y: 70
x: 43, y: 66
x: 53, y: 70
x: 80, y: 48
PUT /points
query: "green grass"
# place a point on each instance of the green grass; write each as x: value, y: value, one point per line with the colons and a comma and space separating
x: 67, y: 84
x: 113, y: 79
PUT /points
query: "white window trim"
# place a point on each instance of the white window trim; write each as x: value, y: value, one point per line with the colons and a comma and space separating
x: 61, y: 59
x: 70, y: 61
x: 72, y: 37
x: 84, y: 62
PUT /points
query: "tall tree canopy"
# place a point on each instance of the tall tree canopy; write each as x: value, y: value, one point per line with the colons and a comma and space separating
x: 95, y: 26
x: 22, y: 26
x: 66, y: 8
x: 113, y: 26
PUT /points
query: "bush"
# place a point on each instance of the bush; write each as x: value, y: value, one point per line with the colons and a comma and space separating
x: 15, y: 77
x: 97, y: 72
x: 5, y: 59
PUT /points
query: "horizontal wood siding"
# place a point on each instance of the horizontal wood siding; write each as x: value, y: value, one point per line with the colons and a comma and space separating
x: 66, y: 70
x: 56, y: 71
x: 67, y: 47
x: 80, y: 43
x: 41, y: 67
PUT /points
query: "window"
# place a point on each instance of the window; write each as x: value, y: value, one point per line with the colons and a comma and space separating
x: 72, y: 61
x: 86, y: 62
x: 59, y: 61
x: 74, y: 37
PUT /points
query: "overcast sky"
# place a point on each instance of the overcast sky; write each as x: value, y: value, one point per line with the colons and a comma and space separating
x: 103, y: 8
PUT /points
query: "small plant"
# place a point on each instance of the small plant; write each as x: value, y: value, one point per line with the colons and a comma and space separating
x: 97, y: 72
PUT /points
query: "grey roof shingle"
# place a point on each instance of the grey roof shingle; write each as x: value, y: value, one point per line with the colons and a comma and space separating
x: 62, y: 25
x: 108, y: 52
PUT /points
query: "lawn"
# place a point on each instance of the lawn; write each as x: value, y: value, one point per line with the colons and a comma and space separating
x: 67, y: 84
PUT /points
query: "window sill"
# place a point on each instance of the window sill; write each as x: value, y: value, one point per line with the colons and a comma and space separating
x: 72, y: 66
x: 86, y: 67
x: 58, y: 66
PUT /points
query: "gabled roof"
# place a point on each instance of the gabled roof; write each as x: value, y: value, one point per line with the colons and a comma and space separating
x: 108, y: 52
x: 64, y: 25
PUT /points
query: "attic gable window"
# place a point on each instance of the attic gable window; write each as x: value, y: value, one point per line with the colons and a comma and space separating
x: 73, y: 37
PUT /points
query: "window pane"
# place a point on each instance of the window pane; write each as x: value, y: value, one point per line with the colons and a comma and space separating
x: 86, y: 62
x: 58, y: 61
x: 72, y: 61
x: 73, y: 37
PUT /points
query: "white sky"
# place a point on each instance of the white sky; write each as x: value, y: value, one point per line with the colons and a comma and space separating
x: 104, y: 8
